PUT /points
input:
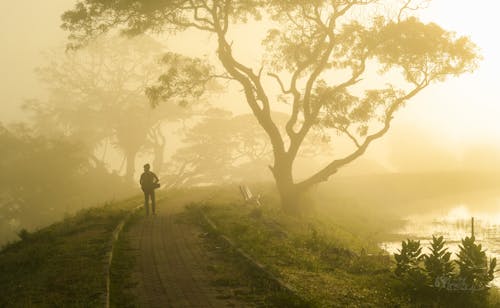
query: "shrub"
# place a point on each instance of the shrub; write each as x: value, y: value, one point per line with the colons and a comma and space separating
x: 433, y: 278
x: 408, y: 264
x: 474, y: 270
x: 438, y: 264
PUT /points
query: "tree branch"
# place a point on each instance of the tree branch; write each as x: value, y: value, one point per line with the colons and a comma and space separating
x: 282, y: 86
x: 349, y: 135
x: 333, y: 167
x: 252, y: 88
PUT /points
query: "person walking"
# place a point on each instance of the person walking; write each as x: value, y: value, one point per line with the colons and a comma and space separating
x: 149, y: 182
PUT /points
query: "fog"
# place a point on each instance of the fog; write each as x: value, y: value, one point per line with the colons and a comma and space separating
x: 84, y: 114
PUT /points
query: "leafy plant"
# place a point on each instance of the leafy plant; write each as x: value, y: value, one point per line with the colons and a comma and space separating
x: 23, y: 234
x: 408, y: 263
x: 473, y: 264
x: 437, y: 283
x: 438, y: 264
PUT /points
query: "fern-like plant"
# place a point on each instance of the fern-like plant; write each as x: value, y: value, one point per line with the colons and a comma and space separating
x: 438, y: 264
x: 473, y: 265
x: 408, y: 263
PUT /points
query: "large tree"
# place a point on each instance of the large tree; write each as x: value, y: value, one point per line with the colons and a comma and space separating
x: 223, y: 148
x: 323, y: 55
x: 97, y: 95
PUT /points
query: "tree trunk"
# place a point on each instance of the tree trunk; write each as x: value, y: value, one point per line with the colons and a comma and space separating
x: 158, y: 159
x: 290, y: 193
x: 290, y: 199
x: 130, y: 169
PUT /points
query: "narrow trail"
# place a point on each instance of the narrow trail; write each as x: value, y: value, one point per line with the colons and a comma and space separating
x: 172, y: 268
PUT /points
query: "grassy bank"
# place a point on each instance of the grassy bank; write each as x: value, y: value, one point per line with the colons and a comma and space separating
x: 63, y: 264
x: 328, y: 265
x: 124, y: 260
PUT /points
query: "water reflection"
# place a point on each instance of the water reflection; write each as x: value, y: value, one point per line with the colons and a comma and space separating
x: 453, y: 225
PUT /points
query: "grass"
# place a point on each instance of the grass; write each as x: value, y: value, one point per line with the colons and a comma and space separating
x: 330, y: 264
x: 63, y: 264
x: 329, y: 256
x: 315, y: 257
x: 234, y: 276
x: 124, y: 260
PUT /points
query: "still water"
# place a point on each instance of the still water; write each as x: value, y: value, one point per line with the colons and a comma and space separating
x: 453, y: 224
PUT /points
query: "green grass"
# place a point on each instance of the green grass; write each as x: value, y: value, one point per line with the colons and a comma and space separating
x: 328, y: 264
x: 63, y: 264
x: 329, y: 255
x: 235, y: 276
x: 124, y: 260
x: 318, y: 258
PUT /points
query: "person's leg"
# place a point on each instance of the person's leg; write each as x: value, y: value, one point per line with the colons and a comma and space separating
x: 153, y: 202
x: 146, y: 202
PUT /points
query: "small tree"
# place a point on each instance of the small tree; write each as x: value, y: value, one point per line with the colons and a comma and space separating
x: 437, y: 263
x: 408, y: 263
x: 473, y: 264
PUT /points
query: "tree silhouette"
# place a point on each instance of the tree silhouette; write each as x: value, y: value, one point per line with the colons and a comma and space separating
x: 44, y: 178
x: 216, y: 149
x: 97, y: 95
x: 437, y: 262
x: 473, y: 264
x: 321, y: 55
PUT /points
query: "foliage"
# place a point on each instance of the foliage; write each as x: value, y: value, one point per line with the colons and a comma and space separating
x: 62, y: 265
x: 44, y: 178
x: 220, y: 148
x: 312, y: 254
x: 408, y: 262
x: 225, y: 148
x: 183, y: 79
x: 311, y: 41
x: 98, y: 95
x: 473, y: 264
x: 438, y: 281
x: 122, y: 283
x: 437, y: 263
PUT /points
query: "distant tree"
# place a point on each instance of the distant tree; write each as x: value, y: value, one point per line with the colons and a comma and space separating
x: 43, y: 178
x: 97, y: 95
x: 215, y: 149
x: 321, y: 55
x: 226, y: 148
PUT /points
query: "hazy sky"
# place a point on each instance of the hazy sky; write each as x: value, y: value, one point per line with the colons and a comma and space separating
x: 465, y: 108
x: 27, y: 28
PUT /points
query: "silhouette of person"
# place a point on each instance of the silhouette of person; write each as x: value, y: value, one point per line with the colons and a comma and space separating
x: 149, y: 181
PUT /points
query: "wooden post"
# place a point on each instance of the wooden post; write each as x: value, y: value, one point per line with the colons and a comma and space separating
x: 472, y: 224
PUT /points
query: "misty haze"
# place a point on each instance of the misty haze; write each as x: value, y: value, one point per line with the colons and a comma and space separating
x: 224, y: 153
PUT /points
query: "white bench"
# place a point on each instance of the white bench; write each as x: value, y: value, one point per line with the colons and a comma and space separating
x: 248, y: 196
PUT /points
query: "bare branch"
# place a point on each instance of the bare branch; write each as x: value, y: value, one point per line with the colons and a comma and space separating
x: 282, y: 86
x: 333, y: 167
x: 346, y: 131
x: 408, y: 7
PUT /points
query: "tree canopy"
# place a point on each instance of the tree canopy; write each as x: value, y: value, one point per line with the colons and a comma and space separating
x: 44, y: 178
x: 321, y: 55
x: 97, y: 95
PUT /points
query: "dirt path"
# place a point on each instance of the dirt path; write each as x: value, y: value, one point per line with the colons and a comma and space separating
x: 173, y: 263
